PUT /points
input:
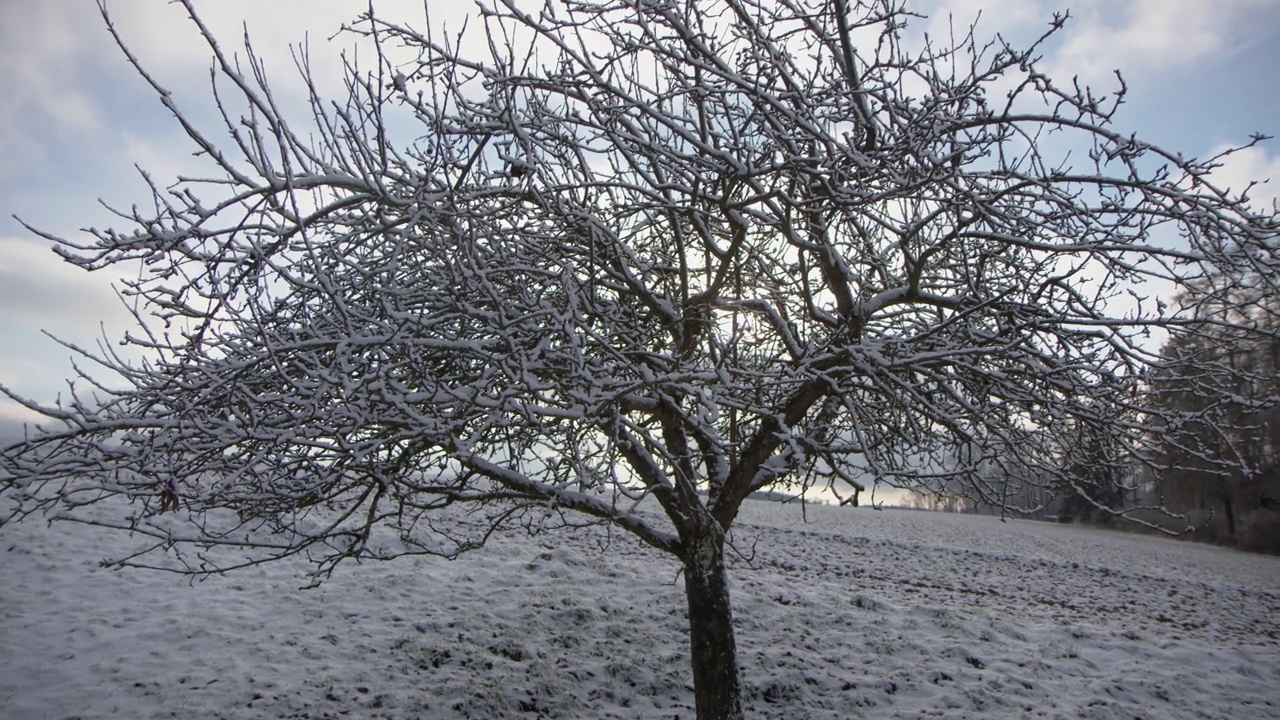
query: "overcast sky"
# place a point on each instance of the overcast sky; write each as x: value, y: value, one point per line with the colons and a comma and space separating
x: 75, y: 119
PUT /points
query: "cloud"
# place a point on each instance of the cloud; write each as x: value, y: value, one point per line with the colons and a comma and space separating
x: 1242, y: 168
x: 1146, y: 37
x: 39, y: 290
x: 168, y: 43
x: 1004, y: 17
x: 58, y: 55
x: 1168, y: 44
x: 13, y: 422
x: 41, y: 45
x: 75, y: 119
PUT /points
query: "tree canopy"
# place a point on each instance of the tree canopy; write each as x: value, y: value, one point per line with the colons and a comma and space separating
x: 1215, y: 397
x: 630, y: 262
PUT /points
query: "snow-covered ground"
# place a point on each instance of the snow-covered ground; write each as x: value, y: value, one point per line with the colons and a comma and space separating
x: 854, y: 614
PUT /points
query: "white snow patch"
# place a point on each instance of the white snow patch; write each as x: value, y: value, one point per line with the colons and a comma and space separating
x: 858, y: 613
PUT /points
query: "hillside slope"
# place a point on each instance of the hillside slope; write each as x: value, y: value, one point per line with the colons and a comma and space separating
x: 853, y: 614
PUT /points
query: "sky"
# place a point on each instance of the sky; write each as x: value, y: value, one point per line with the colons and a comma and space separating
x: 76, y: 121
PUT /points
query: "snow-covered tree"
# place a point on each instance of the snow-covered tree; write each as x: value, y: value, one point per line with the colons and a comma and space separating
x: 627, y: 262
x: 1214, y: 396
x: 1098, y: 479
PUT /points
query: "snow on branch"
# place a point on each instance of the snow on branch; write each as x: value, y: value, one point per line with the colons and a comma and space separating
x: 634, y: 261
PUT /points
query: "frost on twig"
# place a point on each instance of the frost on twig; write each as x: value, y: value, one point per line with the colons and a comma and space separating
x: 631, y: 264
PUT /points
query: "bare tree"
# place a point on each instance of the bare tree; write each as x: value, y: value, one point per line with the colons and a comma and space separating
x: 1215, y: 396
x: 633, y: 262
x: 1097, y: 479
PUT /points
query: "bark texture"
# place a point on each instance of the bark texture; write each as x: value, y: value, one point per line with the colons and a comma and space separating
x: 717, y: 685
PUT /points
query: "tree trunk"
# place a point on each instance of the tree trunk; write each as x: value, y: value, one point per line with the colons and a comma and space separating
x: 716, y: 684
x: 1228, y: 507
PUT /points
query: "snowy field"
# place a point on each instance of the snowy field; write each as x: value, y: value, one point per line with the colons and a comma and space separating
x: 856, y: 614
